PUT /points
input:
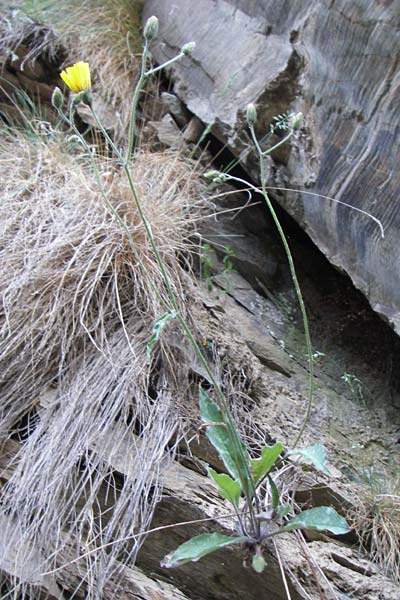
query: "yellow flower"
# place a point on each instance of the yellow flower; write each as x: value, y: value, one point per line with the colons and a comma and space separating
x: 77, y: 77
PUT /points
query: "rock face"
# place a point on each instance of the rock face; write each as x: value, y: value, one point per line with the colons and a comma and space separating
x: 336, y: 62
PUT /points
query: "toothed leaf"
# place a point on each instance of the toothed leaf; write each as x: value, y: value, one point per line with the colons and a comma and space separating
x: 227, y: 487
x: 260, y: 466
x: 225, y: 440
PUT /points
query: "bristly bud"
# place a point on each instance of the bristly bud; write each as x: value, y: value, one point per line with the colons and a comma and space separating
x: 151, y: 28
x: 296, y: 120
x: 188, y: 48
x: 216, y: 176
x: 57, y: 98
x: 84, y: 97
x: 251, y: 114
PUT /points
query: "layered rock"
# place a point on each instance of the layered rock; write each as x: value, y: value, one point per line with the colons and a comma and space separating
x: 334, y: 61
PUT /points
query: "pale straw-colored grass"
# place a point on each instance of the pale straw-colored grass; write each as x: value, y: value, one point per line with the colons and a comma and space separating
x: 376, y: 518
x: 77, y: 308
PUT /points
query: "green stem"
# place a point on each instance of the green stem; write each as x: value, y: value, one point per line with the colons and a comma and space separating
x: 143, y: 74
x: 280, y: 143
x: 299, y: 295
x: 135, y: 99
x: 168, y: 63
x: 296, y: 284
x: 234, y: 438
x: 71, y: 122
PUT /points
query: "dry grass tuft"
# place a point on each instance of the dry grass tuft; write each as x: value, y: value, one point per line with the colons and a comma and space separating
x: 77, y: 310
x: 376, y: 519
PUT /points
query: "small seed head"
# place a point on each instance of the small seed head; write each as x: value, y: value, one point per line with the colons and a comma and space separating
x: 296, y: 120
x: 151, y: 28
x: 188, y: 48
x: 251, y: 114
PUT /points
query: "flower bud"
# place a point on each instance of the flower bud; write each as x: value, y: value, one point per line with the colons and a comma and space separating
x: 57, y: 98
x: 251, y: 114
x: 216, y: 176
x: 188, y: 48
x: 296, y: 120
x: 151, y: 28
x: 84, y: 97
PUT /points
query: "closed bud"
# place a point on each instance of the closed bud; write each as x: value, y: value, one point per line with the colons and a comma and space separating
x: 84, y: 97
x: 296, y: 120
x: 188, y: 48
x: 216, y: 176
x: 251, y: 114
x: 151, y: 28
x: 57, y: 98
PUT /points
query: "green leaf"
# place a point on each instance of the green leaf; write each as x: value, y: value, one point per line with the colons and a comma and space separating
x: 157, y: 329
x: 282, y: 510
x: 225, y: 440
x: 274, y: 493
x: 260, y: 466
x: 315, y: 454
x: 322, y: 518
x: 258, y: 563
x: 197, y: 547
x: 227, y: 487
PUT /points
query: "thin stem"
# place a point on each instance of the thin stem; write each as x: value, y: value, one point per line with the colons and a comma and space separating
x: 299, y: 299
x: 234, y: 438
x: 285, y: 244
x: 363, y: 212
x: 283, y: 574
x: 280, y: 143
x: 166, y: 64
x: 135, y: 99
x: 111, y: 208
x: 138, y: 88
x: 249, y: 186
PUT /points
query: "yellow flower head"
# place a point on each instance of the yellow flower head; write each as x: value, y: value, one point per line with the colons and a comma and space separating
x: 77, y: 77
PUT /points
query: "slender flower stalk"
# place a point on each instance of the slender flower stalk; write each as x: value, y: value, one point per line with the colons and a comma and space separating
x: 150, y: 32
x: 77, y: 77
x: 234, y: 438
x: 221, y: 177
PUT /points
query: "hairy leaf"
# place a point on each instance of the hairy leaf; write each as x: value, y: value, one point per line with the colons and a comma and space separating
x: 157, y: 329
x: 282, y: 510
x: 315, y: 454
x: 227, y: 487
x: 322, y: 518
x: 274, y: 493
x: 258, y: 563
x: 225, y: 439
x: 261, y: 466
x: 197, y: 547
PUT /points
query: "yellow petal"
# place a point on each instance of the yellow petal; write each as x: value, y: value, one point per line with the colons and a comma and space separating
x: 77, y: 77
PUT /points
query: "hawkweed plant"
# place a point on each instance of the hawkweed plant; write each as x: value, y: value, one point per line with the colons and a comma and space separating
x: 250, y: 485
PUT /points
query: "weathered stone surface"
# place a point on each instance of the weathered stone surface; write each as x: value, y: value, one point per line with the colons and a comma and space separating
x: 338, y: 63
